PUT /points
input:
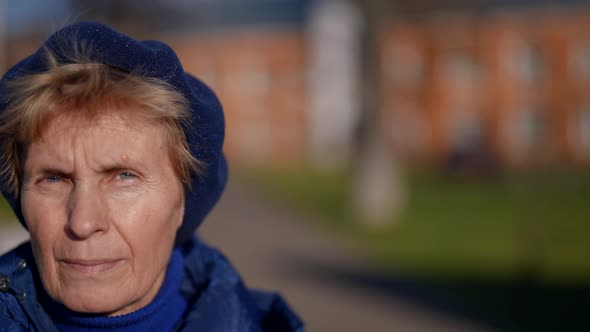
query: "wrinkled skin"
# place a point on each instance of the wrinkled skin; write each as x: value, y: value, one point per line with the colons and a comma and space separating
x: 102, y: 204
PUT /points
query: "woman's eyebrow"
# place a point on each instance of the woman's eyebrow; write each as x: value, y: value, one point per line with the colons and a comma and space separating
x: 53, y: 171
x: 109, y: 168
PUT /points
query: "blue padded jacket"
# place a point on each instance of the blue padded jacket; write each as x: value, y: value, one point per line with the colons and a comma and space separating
x: 218, y: 300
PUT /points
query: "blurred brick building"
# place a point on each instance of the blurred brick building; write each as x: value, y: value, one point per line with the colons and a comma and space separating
x: 260, y: 79
x: 516, y: 83
x: 513, y: 83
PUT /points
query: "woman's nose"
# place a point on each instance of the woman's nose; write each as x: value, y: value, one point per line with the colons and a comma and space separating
x: 87, y: 214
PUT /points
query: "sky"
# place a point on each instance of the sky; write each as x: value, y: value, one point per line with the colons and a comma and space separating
x: 22, y: 15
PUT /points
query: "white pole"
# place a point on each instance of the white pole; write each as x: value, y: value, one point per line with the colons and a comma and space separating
x: 334, y: 37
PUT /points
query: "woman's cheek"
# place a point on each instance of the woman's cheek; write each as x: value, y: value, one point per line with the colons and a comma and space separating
x: 43, y: 212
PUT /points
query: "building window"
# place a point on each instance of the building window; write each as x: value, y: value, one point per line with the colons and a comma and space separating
x: 466, y: 130
x: 251, y: 76
x: 460, y: 76
x: 580, y: 61
x: 410, y: 129
x: 460, y: 68
x: 524, y: 60
x: 584, y: 128
x: 403, y: 64
x: 531, y: 64
x: 533, y: 128
x: 580, y: 131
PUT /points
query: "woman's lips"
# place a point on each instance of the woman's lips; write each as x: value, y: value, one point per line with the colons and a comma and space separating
x: 90, y: 266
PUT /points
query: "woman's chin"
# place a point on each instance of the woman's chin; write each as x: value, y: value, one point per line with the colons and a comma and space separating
x: 104, y: 302
x: 103, y: 307
x: 109, y: 293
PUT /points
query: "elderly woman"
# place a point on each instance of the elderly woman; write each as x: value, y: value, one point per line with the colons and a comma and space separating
x: 111, y: 158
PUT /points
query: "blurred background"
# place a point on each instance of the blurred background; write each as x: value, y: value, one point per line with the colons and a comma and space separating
x: 396, y: 165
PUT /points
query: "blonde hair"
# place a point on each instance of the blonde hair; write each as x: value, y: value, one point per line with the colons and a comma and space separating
x: 81, y: 85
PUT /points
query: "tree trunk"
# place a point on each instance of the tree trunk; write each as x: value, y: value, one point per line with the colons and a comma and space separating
x: 380, y: 191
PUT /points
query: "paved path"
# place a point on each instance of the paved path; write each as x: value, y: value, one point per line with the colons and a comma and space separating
x: 277, y: 250
x: 11, y: 235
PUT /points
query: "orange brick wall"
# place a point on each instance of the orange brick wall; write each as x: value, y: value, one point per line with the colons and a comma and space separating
x: 491, y: 91
x: 260, y: 80
x: 437, y: 74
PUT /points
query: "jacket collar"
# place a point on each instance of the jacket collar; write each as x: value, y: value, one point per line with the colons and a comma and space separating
x: 21, y: 280
x: 218, y: 299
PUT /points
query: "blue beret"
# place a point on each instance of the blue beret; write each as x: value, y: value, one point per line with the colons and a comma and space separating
x: 204, y: 132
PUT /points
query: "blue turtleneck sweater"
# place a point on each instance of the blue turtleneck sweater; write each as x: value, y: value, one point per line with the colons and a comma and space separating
x: 162, y: 314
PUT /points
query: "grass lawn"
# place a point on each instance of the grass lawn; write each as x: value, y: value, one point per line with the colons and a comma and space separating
x: 526, y: 224
x: 511, y: 253
x: 6, y: 214
x: 530, y: 224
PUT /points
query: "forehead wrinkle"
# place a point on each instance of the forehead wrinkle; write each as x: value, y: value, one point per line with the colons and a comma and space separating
x: 67, y: 134
x: 45, y: 154
x: 77, y: 146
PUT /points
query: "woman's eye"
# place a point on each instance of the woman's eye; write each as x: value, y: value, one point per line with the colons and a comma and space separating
x: 53, y: 178
x: 126, y: 175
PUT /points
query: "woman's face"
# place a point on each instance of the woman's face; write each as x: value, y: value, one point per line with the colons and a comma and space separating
x: 102, y: 204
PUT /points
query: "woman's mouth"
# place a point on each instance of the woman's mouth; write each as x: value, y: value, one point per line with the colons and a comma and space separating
x: 90, y: 265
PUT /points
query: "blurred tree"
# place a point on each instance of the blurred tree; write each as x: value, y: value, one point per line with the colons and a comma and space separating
x: 380, y: 189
